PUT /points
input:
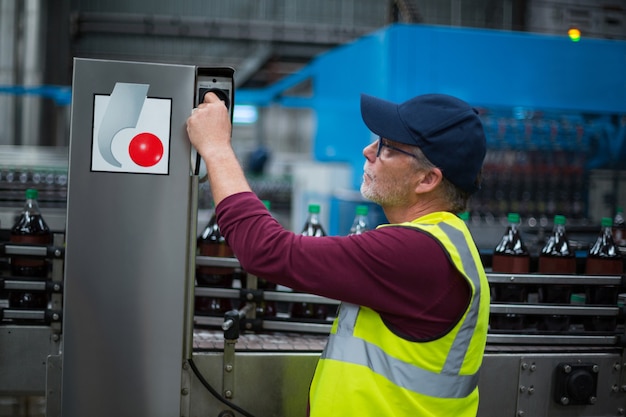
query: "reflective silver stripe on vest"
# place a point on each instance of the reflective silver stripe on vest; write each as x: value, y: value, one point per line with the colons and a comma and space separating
x: 343, y: 346
x: 348, y: 313
x: 455, y: 358
x: 357, y: 351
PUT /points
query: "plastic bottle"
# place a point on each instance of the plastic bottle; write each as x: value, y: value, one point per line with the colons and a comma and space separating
x: 312, y: 227
x: 30, y: 228
x: 556, y: 257
x: 212, y: 243
x: 619, y: 228
x: 603, y: 258
x: 510, y: 256
x: 360, y: 223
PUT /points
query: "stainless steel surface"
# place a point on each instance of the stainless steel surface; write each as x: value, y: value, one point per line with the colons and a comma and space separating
x: 32, y: 251
x: 272, y: 325
x: 285, y: 326
x: 571, y: 310
x: 53, y: 386
x: 23, y: 358
x: 189, y: 280
x: 522, y: 385
x: 31, y: 315
x: 215, y: 261
x: 495, y: 278
x: 276, y: 384
x: 127, y: 257
x: 552, y: 340
x: 11, y: 284
x: 267, y: 384
x: 286, y: 296
x: 210, y: 340
x: 298, y: 297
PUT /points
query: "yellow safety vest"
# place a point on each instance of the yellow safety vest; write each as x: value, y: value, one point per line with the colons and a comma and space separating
x: 367, y: 370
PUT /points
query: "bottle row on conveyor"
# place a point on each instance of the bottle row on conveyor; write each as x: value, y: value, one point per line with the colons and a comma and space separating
x: 574, y: 308
x: 37, y: 298
x: 528, y: 308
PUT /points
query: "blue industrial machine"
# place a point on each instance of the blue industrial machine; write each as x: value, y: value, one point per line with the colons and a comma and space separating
x: 547, y: 103
x: 510, y: 71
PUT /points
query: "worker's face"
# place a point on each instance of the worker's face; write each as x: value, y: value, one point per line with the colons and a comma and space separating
x: 387, y: 178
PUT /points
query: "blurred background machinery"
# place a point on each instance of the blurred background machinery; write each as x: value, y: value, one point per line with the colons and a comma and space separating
x: 550, y: 102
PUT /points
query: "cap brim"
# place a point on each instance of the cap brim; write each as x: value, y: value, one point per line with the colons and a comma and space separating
x: 383, y: 119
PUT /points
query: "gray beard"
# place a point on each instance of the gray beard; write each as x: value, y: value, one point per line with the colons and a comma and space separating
x: 390, y: 197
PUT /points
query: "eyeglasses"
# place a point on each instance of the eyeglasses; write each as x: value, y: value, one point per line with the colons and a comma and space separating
x: 382, y: 143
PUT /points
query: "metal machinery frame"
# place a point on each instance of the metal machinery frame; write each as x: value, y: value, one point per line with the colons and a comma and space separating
x: 526, y: 372
x: 31, y: 339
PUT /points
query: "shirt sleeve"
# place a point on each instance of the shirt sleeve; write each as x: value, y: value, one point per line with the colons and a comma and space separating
x: 401, y: 272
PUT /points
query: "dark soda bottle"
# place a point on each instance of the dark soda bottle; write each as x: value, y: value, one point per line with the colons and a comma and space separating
x: 312, y: 227
x: 603, y: 258
x: 212, y: 243
x: 556, y: 257
x: 510, y: 256
x: 360, y: 223
x: 30, y: 228
x: 619, y: 228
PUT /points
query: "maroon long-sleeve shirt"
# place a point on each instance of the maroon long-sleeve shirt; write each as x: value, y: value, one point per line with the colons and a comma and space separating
x: 400, y: 272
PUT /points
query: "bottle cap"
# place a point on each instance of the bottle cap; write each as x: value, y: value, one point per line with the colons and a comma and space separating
x: 362, y: 210
x: 513, y: 217
x: 31, y: 194
x: 559, y: 219
x: 464, y: 216
x: 314, y: 208
x: 606, y: 222
x: 267, y: 204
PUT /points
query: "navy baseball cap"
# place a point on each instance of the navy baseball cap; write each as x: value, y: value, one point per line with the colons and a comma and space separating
x: 446, y: 129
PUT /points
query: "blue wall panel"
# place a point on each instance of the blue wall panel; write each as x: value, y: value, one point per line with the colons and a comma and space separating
x: 497, y: 68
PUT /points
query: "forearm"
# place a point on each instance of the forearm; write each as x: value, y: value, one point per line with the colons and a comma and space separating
x: 226, y: 177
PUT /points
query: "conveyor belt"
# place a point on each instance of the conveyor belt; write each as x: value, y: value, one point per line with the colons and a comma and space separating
x: 204, y: 339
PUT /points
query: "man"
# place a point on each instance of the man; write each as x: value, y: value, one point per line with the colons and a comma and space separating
x: 412, y: 327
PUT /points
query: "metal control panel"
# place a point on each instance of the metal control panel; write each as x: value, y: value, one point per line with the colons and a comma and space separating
x: 131, y: 230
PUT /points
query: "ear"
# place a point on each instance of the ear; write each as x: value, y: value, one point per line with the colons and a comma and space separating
x: 431, y: 179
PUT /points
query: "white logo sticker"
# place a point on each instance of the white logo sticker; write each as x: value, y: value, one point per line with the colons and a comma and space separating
x: 131, y: 132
